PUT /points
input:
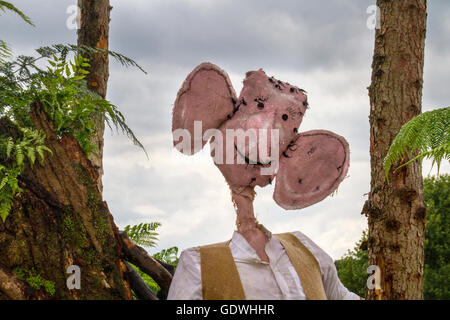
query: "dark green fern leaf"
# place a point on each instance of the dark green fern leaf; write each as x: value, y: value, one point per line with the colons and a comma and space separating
x: 4, y: 5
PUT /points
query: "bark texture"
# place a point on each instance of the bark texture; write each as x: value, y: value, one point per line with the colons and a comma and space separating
x: 396, y: 211
x: 140, y: 288
x: 94, y: 32
x: 59, y: 220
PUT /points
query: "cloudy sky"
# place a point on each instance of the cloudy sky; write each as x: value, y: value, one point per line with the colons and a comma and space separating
x: 322, y: 46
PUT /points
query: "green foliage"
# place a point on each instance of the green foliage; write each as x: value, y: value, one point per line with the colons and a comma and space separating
x: 65, y: 98
x: 5, y: 51
x: 437, y: 241
x: 4, y: 6
x: 143, y: 234
x: 352, y: 268
x: 63, y: 50
x: 169, y: 256
x: 9, y: 187
x: 89, y: 51
x: 428, y: 134
x: 64, y: 94
x: 35, y: 280
x: 19, y: 153
x: 148, y: 280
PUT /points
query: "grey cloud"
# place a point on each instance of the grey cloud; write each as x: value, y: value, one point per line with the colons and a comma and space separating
x: 282, y: 34
x: 139, y: 186
x: 49, y: 18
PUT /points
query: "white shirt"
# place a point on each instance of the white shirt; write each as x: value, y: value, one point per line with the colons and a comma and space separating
x: 274, y: 280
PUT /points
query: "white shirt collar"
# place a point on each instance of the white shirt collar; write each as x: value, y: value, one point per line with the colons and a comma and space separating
x: 243, y: 252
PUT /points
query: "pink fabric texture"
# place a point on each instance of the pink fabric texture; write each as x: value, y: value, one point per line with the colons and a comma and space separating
x: 311, y: 164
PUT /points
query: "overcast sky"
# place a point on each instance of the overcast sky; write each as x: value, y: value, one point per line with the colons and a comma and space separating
x: 324, y: 47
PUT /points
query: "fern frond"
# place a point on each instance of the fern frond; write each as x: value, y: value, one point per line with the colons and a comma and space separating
x: 112, y: 114
x: 4, y: 5
x: 70, y: 105
x: 31, y: 154
x: 144, y: 233
x: 427, y: 136
x: 3, y: 183
x: 9, y: 147
x: 169, y: 256
x: 64, y: 49
x: 9, y: 187
x: 5, y: 51
x: 40, y: 150
x: 19, y: 155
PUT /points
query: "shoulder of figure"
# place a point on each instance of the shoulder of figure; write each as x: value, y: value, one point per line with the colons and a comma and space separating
x: 322, y: 257
x: 190, y: 255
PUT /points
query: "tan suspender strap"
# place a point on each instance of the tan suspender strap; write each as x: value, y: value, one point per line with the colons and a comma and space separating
x: 305, y: 264
x: 220, y: 277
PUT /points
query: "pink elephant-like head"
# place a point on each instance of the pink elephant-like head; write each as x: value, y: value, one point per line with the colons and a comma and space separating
x: 255, y: 138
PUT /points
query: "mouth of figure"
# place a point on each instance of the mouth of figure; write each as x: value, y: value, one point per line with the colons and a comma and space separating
x: 248, y: 161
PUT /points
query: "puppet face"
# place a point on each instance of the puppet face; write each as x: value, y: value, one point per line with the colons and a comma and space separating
x: 255, y: 138
x: 265, y: 120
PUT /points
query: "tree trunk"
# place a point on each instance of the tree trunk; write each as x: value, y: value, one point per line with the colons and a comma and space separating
x: 396, y: 211
x: 94, y: 32
x: 59, y: 220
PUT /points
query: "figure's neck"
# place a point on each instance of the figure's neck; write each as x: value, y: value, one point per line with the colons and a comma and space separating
x: 243, y: 204
x: 246, y: 222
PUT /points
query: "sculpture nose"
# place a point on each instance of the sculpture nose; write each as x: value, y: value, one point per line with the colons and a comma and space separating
x: 261, y: 121
x: 262, y: 124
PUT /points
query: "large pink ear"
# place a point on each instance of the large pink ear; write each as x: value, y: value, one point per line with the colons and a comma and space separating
x: 311, y: 169
x: 206, y: 100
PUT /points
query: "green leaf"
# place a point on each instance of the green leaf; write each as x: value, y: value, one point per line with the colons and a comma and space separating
x: 31, y: 153
x: 3, y: 183
x: 19, y: 155
x: 5, y: 51
x: 4, y: 214
x: 67, y: 70
x: 69, y: 104
x: 9, y: 147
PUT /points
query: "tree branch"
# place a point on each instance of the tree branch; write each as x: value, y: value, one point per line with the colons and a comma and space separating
x: 140, y: 258
x: 138, y: 285
x: 11, y: 286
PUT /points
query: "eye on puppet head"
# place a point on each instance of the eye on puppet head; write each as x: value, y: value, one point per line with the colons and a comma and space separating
x: 309, y: 165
